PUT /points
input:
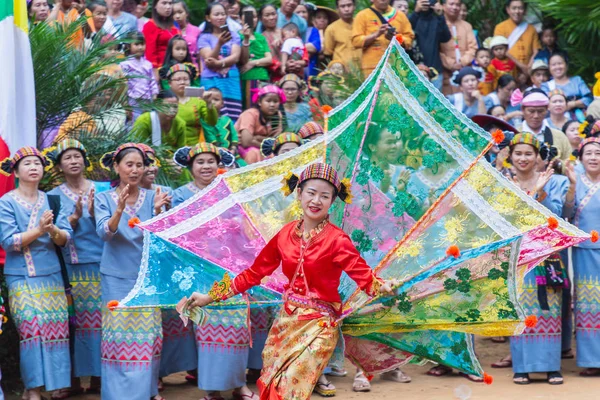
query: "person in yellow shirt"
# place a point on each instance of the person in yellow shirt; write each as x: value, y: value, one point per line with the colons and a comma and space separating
x: 523, y: 40
x: 370, y: 34
x: 338, y: 36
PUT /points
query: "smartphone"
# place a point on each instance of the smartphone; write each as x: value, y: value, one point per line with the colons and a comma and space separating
x: 193, y: 91
x: 249, y: 18
x: 225, y: 28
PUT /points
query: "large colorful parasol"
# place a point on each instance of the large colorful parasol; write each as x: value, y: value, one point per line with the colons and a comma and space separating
x: 428, y: 210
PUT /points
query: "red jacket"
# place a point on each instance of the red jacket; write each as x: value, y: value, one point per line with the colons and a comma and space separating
x: 157, y: 40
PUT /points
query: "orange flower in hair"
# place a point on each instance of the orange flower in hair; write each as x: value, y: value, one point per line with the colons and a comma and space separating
x: 552, y: 223
x: 453, y: 251
x: 133, y: 221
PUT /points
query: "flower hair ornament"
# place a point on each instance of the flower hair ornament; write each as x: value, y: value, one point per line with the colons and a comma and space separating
x: 185, y: 155
x: 54, y: 153
x: 7, y: 166
x: 589, y: 130
x: 257, y: 94
x: 319, y: 171
x: 271, y: 145
x: 531, y: 98
x: 151, y: 154
x: 108, y: 160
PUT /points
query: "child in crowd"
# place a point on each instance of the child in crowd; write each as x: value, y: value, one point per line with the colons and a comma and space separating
x: 401, y: 5
x: 497, y: 111
x: 539, y: 73
x: 501, y: 64
x: 336, y: 67
x: 113, y: 54
x: 549, y: 47
x: 141, y: 82
x: 222, y: 135
x: 483, y: 58
x: 177, y: 53
x: 571, y: 130
x: 293, y: 47
x: 262, y: 121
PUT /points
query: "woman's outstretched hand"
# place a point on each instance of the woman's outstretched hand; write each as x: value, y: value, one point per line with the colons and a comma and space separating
x: 200, y: 300
x: 389, y: 287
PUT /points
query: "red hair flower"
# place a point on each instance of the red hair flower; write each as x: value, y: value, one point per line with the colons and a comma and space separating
x: 112, y: 304
x: 531, y: 321
x: 133, y: 221
x: 453, y: 251
x: 487, y: 379
x: 552, y: 223
x: 498, y: 136
x: 594, y: 237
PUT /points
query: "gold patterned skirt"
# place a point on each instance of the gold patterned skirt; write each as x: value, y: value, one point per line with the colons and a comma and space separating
x: 298, y: 348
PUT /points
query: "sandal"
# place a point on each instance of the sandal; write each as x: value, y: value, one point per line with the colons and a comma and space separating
x: 472, y: 378
x: 499, y: 339
x: 157, y: 397
x: 555, y: 378
x: 61, y: 394
x: 567, y: 354
x: 521, y: 379
x: 396, y: 375
x: 439, y: 370
x: 239, y: 396
x: 590, y: 372
x: 325, y: 389
x: 505, y: 362
x: 339, y: 372
x: 253, y: 375
x: 361, y: 383
x: 92, y: 390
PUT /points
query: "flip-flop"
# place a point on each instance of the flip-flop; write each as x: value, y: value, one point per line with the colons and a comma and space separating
x: 567, y: 355
x: 503, y: 363
x: 521, y: 379
x: 555, y: 378
x: 62, y: 394
x: 439, y: 370
x: 499, y: 339
x: 324, y: 389
x: 472, y: 378
x: 338, y: 372
x: 590, y: 372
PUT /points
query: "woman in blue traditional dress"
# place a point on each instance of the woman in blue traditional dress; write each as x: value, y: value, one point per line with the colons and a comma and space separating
x: 29, y: 232
x: 224, y: 341
x: 583, y: 204
x: 539, y: 348
x: 82, y: 256
x: 131, y: 338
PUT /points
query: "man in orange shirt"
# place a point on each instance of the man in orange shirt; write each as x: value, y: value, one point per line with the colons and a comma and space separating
x: 338, y: 35
x: 370, y: 34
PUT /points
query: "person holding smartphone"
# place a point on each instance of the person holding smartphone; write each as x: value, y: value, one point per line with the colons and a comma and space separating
x: 374, y: 28
x: 219, y: 54
x: 255, y: 57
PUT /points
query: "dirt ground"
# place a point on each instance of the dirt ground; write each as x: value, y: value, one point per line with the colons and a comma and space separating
x: 424, y: 387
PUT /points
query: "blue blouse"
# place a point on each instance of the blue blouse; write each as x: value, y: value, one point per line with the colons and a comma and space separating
x: 85, y: 246
x: 469, y: 111
x: 556, y: 193
x: 295, y: 120
x: 122, y: 252
x: 586, y: 212
x: 313, y: 37
x: 575, y: 89
x: 183, y: 193
x: 17, y: 216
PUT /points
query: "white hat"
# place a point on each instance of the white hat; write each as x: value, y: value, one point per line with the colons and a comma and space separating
x: 538, y: 64
x: 498, y: 41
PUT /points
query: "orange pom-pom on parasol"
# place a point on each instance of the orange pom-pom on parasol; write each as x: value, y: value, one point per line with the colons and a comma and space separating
x: 552, y: 223
x: 112, y: 305
x: 453, y: 251
x: 487, y: 379
x: 498, y: 136
x: 326, y: 109
x: 133, y: 221
x: 594, y: 237
x: 399, y: 38
x: 531, y: 321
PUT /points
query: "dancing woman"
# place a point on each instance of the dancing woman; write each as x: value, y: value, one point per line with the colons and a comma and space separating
x: 313, y: 254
